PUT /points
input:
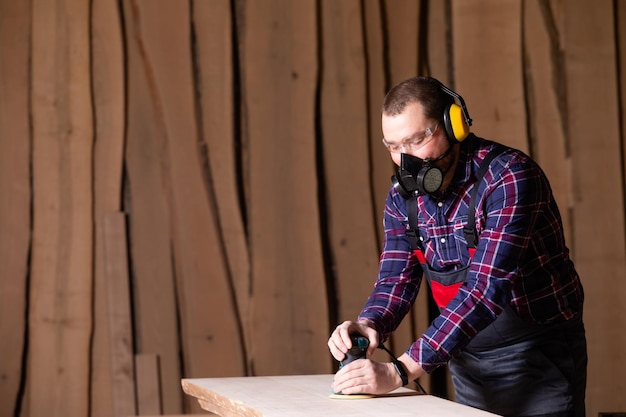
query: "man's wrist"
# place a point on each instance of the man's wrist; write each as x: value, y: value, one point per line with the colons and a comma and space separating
x: 412, y: 368
x: 366, y: 322
x: 401, y: 371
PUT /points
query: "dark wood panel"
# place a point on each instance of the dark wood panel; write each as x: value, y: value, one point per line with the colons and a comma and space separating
x: 15, y: 195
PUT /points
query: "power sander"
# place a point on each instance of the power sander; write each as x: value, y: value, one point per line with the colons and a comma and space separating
x: 357, y: 351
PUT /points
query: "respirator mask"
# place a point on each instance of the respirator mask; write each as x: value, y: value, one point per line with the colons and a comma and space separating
x: 417, y: 176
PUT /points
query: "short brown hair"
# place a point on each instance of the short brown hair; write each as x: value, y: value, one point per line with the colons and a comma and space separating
x: 424, y: 90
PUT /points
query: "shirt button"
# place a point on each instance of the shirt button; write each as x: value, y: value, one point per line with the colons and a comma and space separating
x: 440, y: 204
x: 421, y: 238
x: 443, y: 240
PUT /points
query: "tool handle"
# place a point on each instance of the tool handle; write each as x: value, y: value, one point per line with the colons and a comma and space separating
x: 357, y: 351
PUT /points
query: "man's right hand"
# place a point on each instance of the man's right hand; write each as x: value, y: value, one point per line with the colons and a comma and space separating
x: 339, y: 342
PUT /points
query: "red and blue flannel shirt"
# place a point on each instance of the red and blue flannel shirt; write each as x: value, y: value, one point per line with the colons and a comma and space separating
x: 521, y: 258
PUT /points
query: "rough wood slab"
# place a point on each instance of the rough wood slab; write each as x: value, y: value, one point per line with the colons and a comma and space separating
x: 308, y: 395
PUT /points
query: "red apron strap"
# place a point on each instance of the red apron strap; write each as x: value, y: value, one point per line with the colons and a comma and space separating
x: 420, y: 256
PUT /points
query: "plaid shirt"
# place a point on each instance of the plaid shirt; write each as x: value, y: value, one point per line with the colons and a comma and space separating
x: 521, y: 259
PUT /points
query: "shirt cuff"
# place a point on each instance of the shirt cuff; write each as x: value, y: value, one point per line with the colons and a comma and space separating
x: 426, y: 356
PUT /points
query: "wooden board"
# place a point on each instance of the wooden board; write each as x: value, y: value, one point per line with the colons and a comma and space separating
x: 350, y: 221
x: 209, y: 330
x: 218, y: 147
x: 149, y: 192
x: 15, y: 195
x: 599, y: 247
x: 61, y: 295
x: 402, y: 19
x: 438, y: 41
x: 148, y: 384
x: 211, y: 341
x: 289, y: 310
x: 545, y: 94
x: 382, y: 167
x: 115, y: 259
x: 621, y: 75
x: 309, y: 395
x: 109, y: 124
x: 491, y: 87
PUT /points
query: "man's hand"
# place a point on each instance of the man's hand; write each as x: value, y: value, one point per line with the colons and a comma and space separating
x: 365, y: 376
x: 339, y: 342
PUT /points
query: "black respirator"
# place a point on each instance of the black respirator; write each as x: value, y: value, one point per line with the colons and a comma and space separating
x: 419, y: 176
x: 416, y: 176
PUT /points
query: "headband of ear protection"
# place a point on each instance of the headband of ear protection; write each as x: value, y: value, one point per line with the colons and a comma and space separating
x: 455, y: 117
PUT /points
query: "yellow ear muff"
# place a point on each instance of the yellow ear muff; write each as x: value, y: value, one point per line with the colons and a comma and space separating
x: 455, y: 123
x: 456, y: 119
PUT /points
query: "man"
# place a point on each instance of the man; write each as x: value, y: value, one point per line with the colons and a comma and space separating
x: 484, y: 229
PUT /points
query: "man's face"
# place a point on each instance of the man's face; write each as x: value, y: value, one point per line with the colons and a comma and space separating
x: 410, y: 132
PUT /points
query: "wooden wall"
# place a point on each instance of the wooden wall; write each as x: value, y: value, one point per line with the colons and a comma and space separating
x: 195, y: 188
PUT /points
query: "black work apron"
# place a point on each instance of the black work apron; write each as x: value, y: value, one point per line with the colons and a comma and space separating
x: 511, y: 368
x: 514, y: 368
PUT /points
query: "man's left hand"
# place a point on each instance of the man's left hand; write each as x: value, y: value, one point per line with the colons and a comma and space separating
x: 365, y: 376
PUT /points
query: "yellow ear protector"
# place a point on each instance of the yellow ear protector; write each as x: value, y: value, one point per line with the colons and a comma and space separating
x: 456, y: 118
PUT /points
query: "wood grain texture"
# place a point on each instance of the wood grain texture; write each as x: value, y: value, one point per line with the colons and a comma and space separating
x: 348, y: 198
x: 545, y: 90
x: 115, y: 259
x: 209, y: 125
x: 211, y: 344
x: 599, y: 246
x: 487, y: 71
x: 621, y: 43
x: 62, y: 246
x: 306, y: 395
x: 437, y: 41
x: 205, y: 302
x: 218, y: 146
x: 148, y: 204
x: 109, y: 124
x: 15, y: 196
x: 148, y: 384
x: 402, y: 24
x: 289, y: 308
x: 377, y: 79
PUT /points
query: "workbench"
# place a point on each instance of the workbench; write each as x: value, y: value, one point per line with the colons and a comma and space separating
x: 309, y: 395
